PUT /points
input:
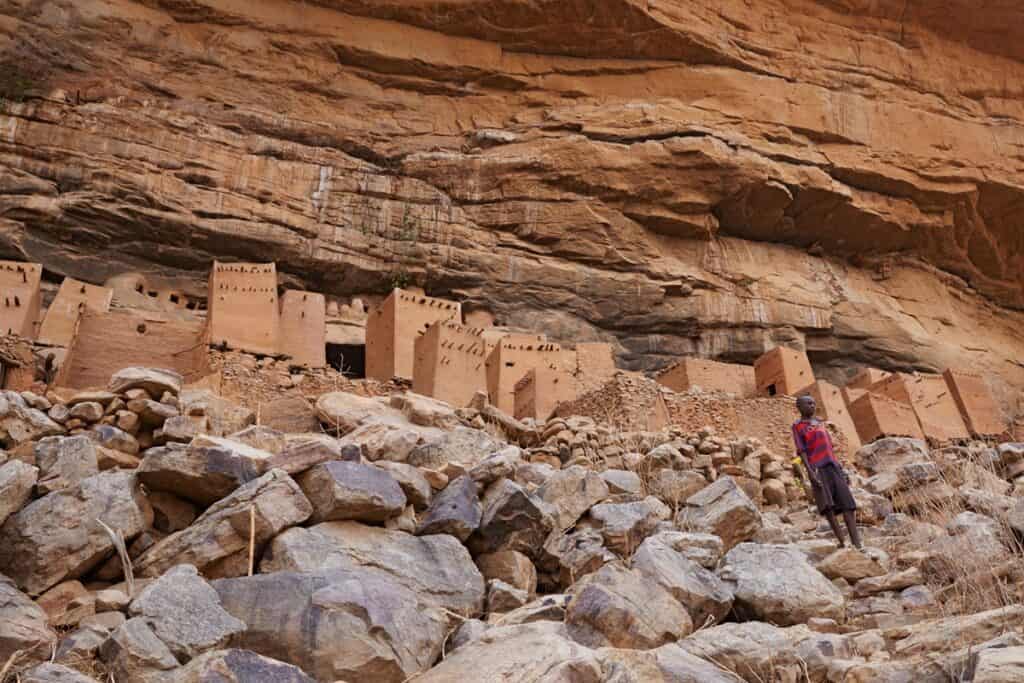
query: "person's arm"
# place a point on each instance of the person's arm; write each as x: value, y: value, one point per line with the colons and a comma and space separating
x: 801, y: 450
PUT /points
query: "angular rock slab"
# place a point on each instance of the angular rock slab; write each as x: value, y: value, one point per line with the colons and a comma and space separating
x: 512, y: 520
x: 53, y: 673
x: 237, y: 666
x: 776, y: 583
x: 154, y: 380
x: 64, y: 461
x: 540, y: 652
x: 616, y: 607
x: 342, y: 412
x: 1000, y: 665
x: 435, y: 567
x: 722, y: 509
x: 572, y: 491
x: 20, y: 423
x: 461, y: 446
x: 666, y: 664
x: 134, y: 653
x: 185, y: 613
x: 217, y: 543
x: 753, y: 650
x: 337, y: 625
x: 205, y: 471
x: 456, y: 511
x: 624, y: 526
x: 16, y: 482
x: 57, y: 537
x: 23, y: 625
x: 342, y: 491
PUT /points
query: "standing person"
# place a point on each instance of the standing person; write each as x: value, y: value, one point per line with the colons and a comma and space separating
x: 828, y: 480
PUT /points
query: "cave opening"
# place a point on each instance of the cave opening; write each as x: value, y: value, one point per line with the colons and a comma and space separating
x: 349, y: 359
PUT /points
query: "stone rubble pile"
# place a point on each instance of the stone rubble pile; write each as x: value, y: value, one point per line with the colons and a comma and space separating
x: 407, y: 539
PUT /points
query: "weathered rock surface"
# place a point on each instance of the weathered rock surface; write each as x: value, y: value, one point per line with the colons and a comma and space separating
x: 572, y: 491
x: 53, y: 673
x: 336, y: 625
x: 154, y: 380
x: 64, y: 461
x: 351, y: 490
x: 134, y: 653
x: 58, y: 537
x: 776, y: 583
x: 461, y: 446
x: 456, y: 510
x: 666, y: 664
x: 205, y: 471
x: 16, y: 482
x: 20, y: 423
x: 1000, y: 665
x: 513, y: 519
x: 436, y: 567
x: 217, y: 542
x: 237, y: 666
x: 624, y: 526
x: 722, y: 509
x: 752, y: 650
x: 25, y: 627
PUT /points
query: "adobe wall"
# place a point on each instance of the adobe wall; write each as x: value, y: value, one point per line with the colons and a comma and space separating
x: 931, y: 400
x: 392, y: 329
x: 710, y: 375
x: 20, y: 313
x: 542, y: 390
x: 243, y: 307
x: 509, y: 362
x: 303, y: 328
x: 782, y: 372
x: 17, y: 363
x: 594, y: 365
x: 450, y: 363
x: 108, y: 342
x: 832, y: 407
x: 60, y: 324
x: 982, y: 415
x: 866, y: 377
x: 876, y: 416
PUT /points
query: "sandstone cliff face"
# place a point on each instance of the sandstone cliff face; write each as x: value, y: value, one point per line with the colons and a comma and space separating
x: 679, y: 177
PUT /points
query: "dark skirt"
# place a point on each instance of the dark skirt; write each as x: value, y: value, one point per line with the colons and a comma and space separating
x: 833, y: 495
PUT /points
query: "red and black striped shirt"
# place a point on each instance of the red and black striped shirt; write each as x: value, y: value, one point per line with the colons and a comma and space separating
x: 812, y: 439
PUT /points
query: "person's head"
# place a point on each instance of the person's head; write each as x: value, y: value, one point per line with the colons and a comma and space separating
x: 806, y: 405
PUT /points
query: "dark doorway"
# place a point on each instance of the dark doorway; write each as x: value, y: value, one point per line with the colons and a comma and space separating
x: 350, y: 359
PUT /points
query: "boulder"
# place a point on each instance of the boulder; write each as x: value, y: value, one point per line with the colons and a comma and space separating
x: 462, y: 446
x: 155, y: 381
x: 171, y: 513
x: 661, y: 559
x: 236, y: 666
x: 850, y: 564
x: 512, y: 520
x: 754, y: 651
x: 16, y: 483
x: 511, y: 567
x: 1000, y: 665
x: 217, y: 543
x: 289, y: 414
x: 337, y: 625
x: 616, y: 607
x: 894, y: 581
x: 378, y: 441
x: 425, y: 411
x: 437, y: 568
x: 53, y: 673
x: 624, y: 526
x: 20, y: 423
x: 571, y: 556
x: 674, y: 487
x: 179, y: 429
x: 341, y: 412
x: 134, y: 653
x: 414, y: 485
x: 222, y: 415
x: 666, y: 664
x: 87, y: 411
x: 572, y: 491
x: 890, y: 454
x: 503, y: 597
x: 303, y: 451
x: 776, y: 583
x: 185, y: 613
x: 546, y: 608
x: 64, y: 461
x: 205, y: 471
x: 58, y: 537
x: 23, y: 625
x: 67, y: 603
x: 104, y: 398
x: 115, y: 439
x: 499, y: 465
x: 152, y: 414
x: 622, y: 481
x: 350, y: 490
x: 539, y: 652
x: 722, y: 509
x: 260, y: 437
x: 81, y: 646
x: 704, y: 549
x: 456, y: 510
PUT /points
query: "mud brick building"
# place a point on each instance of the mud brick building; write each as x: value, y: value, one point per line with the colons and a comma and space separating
x: 782, y: 372
x: 20, y: 311
x: 60, y: 325
x: 877, y: 416
x: 977, y: 406
x: 509, y: 362
x: 392, y: 329
x: 866, y: 377
x: 709, y: 375
x: 931, y: 400
x: 450, y: 362
x: 592, y: 363
x: 243, y: 307
x: 541, y: 390
x: 303, y: 328
x: 832, y: 407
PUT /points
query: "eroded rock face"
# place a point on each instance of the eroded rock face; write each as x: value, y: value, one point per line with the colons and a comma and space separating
x: 237, y: 666
x: 24, y: 624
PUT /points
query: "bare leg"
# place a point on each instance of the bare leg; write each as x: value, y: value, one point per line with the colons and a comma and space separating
x: 831, y: 517
x: 851, y: 523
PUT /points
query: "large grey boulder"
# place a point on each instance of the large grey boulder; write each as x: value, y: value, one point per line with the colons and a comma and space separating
x: 570, y: 556
x: 302, y: 451
x: 513, y: 519
x: 155, y: 381
x: 437, y: 567
x: 776, y: 583
x: 1000, y: 665
x: 624, y: 526
x: 64, y: 461
x: 722, y: 509
x: 16, y: 482
x: 236, y: 666
x: 616, y: 607
x: 456, y: 511
x: 753, y: 650
x: 19, y: 422
x: 461, y: 446
x: 223, y: 416
x: 572, y: 491
x: 185, y: 613
x: 666, y: 664
x: 662, y: 558
x: 350, y: 490
x: 53, y: 673
x: 337, y: 625
x: 414, y: 485
x: 58, y: 537
x: 23, y: 626
x: 891, y: 454
x: 217, y: 543
x: 539, y: 652
x: 134, y: 653
x: 204, y: 471
x: 341, y: 412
